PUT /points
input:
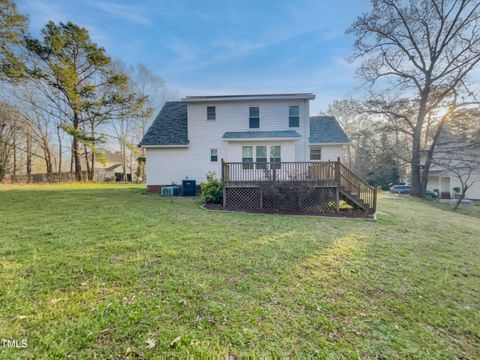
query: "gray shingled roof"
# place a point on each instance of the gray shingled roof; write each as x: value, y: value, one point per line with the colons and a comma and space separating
x: 326, y: 129
x: 260, y: 134
x: 169, y: 127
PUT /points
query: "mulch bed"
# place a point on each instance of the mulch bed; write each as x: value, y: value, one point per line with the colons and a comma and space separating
x: 346, y: 214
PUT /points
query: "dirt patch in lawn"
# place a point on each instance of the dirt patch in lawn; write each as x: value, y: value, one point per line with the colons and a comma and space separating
x: 342, y: 213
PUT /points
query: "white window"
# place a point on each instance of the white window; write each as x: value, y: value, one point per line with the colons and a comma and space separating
x: 213, y: 155
x: 247, y: 157
x: 315, y: 152
x: 261, y: 152
x: 294, y: 116
x: 211, y: 113
x: 254, y: 117
x: 276, y: 156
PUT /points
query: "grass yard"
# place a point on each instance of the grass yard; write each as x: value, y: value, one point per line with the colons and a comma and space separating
x: 109, y: 271
x: 470, y: 210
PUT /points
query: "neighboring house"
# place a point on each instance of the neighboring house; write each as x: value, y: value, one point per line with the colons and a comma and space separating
x: 451, y: 159
x: 444, y: 181
x: 109, y: 172
x: 109, y: 167
x: 191, y: 137
x: 450, y: 162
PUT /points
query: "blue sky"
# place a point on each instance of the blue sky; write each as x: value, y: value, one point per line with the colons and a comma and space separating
x: 223, y: 46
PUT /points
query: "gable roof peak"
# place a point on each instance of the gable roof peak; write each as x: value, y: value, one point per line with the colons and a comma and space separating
x: 325, y: 129
x: 170, y: 127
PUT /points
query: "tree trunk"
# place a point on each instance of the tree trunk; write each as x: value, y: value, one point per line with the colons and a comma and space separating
x: 459, y: 201
x: 76, y: 149
x: 48, y: 161
x: 397, y: 151
x: 59, y: 150
x: 14, y: 170
x: 417, y: 187
x: 431, y: 150
x: 92, y: 162
x: 131, y: 164
x: 29, y: 156
x: 87, y: 160
x: 124, y: 162
x: 76, y: 160
x: 92, y: 166
x: 48, y: 157
x: 71, y: 160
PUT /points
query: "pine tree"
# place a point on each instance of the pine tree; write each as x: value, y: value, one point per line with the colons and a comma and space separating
x: 81, y: 77
x: 13, y: 27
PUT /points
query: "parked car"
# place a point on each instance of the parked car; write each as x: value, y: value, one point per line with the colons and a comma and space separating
x: 400, y: 189
x: 430, y: 194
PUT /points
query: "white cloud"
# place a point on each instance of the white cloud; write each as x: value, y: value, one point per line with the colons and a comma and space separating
x: 303, y: 18
x: 130, y: 12
x: 186, y: 53
x: 41, y: 12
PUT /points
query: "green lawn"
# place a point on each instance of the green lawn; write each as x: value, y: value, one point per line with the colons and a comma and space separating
x: 94, y: 271
x: 470, y: 210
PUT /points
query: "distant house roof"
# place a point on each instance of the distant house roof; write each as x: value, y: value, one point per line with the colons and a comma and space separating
x: 169, y: 127
x: 108, y: 158
x: 216, y: 98
x: 326, y: 130
x: 436, y: 172
x: 113, y: 167
x: 286, y: 134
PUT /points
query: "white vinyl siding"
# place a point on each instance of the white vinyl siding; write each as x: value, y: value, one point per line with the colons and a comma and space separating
x: 167, y: 165
x: 331, y: 152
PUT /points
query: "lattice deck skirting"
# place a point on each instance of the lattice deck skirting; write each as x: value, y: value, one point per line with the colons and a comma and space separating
x: 243, y: 198
x: 282, y: 198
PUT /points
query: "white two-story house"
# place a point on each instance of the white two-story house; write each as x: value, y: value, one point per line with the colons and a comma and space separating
x: 191, y: 137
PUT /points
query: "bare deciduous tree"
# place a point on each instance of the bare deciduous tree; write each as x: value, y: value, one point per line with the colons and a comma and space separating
x: 351, y: 116
x: 420, y: 50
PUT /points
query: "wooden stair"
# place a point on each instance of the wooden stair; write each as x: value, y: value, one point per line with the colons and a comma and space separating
x: 355, y: 191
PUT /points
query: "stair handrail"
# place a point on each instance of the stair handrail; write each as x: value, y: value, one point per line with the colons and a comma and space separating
x: 359, y: 178
x: 371, y: 196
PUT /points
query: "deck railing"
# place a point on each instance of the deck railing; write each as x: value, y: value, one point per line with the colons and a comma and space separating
x: 241, y: 172
x: 309, y: 173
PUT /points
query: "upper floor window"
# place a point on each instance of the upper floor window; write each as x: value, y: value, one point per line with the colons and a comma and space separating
x: 213, y: 155
x: 211, y: 112
x: 254, y: 117
x: 315, y: 152
x: 294, y: 116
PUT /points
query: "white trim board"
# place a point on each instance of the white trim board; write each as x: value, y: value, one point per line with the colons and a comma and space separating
x: 164, y: 146
x: 261, y: 139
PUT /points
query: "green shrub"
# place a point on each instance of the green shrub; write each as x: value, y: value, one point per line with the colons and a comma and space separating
x: 212, y: 190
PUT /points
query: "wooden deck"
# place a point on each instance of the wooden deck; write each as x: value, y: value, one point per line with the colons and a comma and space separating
x: 310, y: 186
